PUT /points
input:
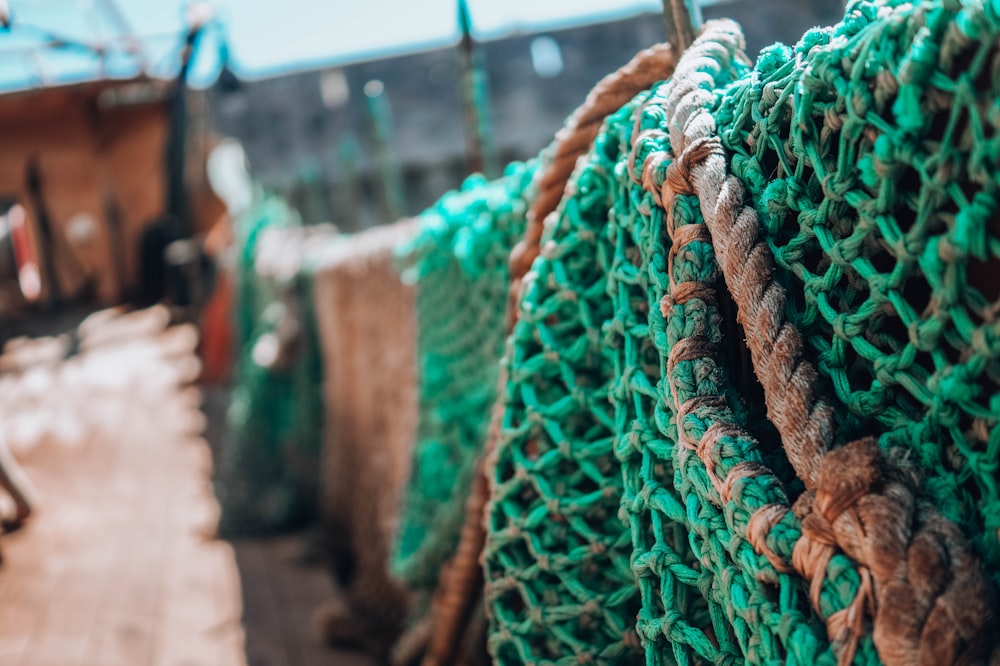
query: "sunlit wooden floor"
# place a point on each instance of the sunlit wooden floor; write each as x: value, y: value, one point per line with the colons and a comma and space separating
x: 119, y: 567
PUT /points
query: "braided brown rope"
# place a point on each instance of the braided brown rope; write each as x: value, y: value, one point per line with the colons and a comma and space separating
x: 461, y: 582
x: 923, y: 586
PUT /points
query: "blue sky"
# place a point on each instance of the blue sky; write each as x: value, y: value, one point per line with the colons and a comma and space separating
x: 267, y: 36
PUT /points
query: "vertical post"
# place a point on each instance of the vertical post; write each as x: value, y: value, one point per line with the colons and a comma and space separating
x: 388, y: 164
x: 475, y: 102
x: 348, y: 217
x: 176, y: 195
x: 46, y: 236
x: 682, y: 19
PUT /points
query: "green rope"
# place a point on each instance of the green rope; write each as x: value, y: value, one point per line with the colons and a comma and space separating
x: 267, y: 478
x: 458, y: 261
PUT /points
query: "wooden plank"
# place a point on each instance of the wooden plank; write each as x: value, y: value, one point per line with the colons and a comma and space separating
x: 299, y: 588
x: 130, y: 609
x: 119, y: 567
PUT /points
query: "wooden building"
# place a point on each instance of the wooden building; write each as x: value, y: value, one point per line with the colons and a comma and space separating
x: 88, y: 163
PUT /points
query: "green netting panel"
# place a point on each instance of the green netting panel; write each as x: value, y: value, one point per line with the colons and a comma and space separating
x: 559, y: 588
x: 687, y: 558
x: 872, y: 154
x: 267, y: 475
x: 458, y: 261
x: 706, y: 594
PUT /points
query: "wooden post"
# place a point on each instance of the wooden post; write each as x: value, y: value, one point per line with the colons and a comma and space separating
x: 682, y: 19
x: 475, y: 103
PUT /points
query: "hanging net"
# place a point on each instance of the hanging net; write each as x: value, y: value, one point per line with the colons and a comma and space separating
x: 558, y: 582
x: 872, y: 161
x: 267, y: 475
x: 367, y: 330
x: 752, y: 396
x: 458, y: 263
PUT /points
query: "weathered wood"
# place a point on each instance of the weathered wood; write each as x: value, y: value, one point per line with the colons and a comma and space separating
x: 119, y: 566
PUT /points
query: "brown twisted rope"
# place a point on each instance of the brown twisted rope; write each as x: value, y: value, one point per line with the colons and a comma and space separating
x: 922, y: 585
x: 461, y: 582
x: 572, y: 142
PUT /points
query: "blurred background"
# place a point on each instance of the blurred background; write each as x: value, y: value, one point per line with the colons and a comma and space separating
x: 178, y: 182
x: 357, y: 113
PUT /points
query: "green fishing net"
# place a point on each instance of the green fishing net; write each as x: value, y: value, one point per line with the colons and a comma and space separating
x: 707, y: 595
x: 869, y: 150
x: 458, y: 261
x: 267, y: 475
x: 559, y: 587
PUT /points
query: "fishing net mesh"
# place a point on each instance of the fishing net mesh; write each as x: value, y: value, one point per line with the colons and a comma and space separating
x: 369, y: 356
x: 458, y: 263
x: 559, y: 587
x: 869, y: 153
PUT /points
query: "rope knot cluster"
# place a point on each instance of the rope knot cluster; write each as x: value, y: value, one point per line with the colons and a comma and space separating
x: 921, y: 584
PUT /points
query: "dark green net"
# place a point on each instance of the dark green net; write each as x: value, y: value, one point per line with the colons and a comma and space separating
x: 559, y: 588
x: 267, y: 476
x: 707, y: 595
x: 870, y: 152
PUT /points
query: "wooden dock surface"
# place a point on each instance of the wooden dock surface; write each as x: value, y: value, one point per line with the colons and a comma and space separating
x: 119, y: 566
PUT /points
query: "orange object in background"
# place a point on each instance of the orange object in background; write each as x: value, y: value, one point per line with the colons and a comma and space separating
x: 29, y: 276
x: 216, y: 317
x: 217, y: 331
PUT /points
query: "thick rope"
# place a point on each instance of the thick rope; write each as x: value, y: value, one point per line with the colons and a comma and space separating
x: 462, y: 579
x: 573, y: 141
x: 922, y: 584
x: 706, y: 421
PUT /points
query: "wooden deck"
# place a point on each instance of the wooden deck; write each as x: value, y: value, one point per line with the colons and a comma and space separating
x: 119, y: 567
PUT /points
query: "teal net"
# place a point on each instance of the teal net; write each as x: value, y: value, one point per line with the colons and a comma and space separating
x: 458, y: 262
x: 873, y: 163
x: 869, y: 153
x: 707, y: 595
x: 559, y: 587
